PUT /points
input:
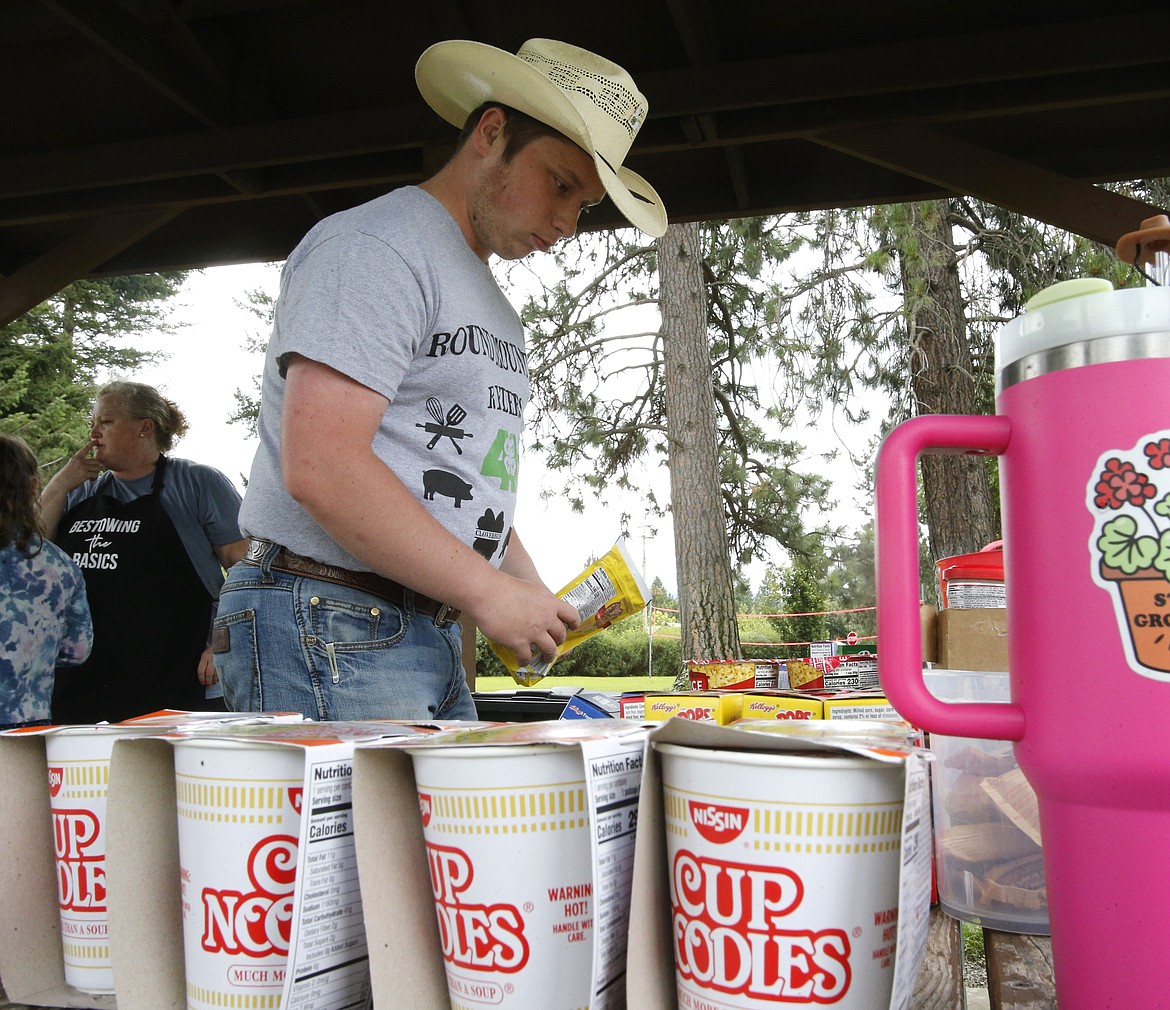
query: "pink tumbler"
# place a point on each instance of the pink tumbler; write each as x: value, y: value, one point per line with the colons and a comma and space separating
x: 1083, y: 432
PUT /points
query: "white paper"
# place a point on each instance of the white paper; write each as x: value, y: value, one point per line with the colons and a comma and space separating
x: 914, y: 901
x: 613, y: 774
x: 328, y: 959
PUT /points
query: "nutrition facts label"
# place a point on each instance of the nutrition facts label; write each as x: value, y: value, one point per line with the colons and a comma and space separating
x: 914, y: 903
x: 328, y: 959
x: 613, y: 772
x: 592, y: 594
x: 972, y: 595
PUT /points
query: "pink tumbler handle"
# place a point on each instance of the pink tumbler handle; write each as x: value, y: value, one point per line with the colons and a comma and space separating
x: 899, y: 619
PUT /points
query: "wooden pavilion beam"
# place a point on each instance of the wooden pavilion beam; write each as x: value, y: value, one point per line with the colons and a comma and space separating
x: 197, y: 91
x: 962, y: 167
x: 75, y: 257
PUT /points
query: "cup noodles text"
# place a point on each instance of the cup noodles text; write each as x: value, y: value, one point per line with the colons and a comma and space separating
x: 81, y: 865
x: 78, y: 765
x: 474, y: 935
x: 784, y: 875
x: 239, y: 806
x: 256, y: 923
x: 730, y: 935
x: 507, y: 836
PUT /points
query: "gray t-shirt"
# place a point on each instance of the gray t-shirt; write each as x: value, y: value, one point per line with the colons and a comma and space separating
x: 391, y: 295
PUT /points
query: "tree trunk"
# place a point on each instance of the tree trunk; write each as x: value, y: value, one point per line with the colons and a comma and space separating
x: 705, y: 585
x: 960, y: 510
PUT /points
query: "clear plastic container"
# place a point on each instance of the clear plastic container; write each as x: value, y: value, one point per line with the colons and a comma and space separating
x: 986, y: 827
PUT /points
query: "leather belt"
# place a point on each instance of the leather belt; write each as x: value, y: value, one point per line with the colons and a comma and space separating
x: 285, y: 560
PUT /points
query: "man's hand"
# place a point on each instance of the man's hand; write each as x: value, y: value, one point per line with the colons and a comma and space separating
x: 526, y: 618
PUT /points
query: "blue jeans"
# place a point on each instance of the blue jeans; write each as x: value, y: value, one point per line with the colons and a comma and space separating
x: 289, y: 643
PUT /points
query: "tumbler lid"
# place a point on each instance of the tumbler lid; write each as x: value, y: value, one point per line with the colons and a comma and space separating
x: 1067, y: 289
x: 1077, y: 311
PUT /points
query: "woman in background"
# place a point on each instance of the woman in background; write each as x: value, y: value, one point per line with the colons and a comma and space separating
x: 152, y: 534
x: 44, y: 616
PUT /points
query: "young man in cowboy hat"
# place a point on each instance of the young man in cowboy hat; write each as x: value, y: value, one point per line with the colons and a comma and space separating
x: 381, y: 500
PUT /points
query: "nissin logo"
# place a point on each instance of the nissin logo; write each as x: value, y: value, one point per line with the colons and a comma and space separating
x: 719, y: 825
x: 424, y: 808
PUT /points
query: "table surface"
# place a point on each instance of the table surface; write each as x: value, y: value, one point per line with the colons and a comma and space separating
x: 1019, y: 969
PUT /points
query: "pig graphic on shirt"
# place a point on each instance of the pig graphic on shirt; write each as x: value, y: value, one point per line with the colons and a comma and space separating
x: 448, y: 485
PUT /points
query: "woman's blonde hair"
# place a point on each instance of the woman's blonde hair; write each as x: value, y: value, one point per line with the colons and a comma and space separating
x: 141, y: 401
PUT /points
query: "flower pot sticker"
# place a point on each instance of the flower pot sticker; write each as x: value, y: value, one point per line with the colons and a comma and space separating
x: 1130, y: 548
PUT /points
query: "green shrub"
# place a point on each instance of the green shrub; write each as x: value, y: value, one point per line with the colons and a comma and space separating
x: 487, y: 663
x: 666, y: 657
x: 622, y: 650
x: 599, y: 656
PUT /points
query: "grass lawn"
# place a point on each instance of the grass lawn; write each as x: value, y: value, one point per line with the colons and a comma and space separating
x: 615, y: 684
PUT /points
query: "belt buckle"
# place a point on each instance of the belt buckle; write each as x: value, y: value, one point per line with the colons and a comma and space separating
x: 446, y: 614
x: 256, y: 550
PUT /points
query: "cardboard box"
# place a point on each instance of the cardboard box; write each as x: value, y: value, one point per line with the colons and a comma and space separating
x: 632, y: 705
x: 31, y: 959
x: 787, y: 705
x: 718, y: 707
x: 831, y: 673
x: 929, y: 620
x: 973, y: 639
x: 734, y: 674
x: 860, y: 705
x: 650, y: 962
x: 406, y: 963
x: 856, y: 673
x: 592, y: 705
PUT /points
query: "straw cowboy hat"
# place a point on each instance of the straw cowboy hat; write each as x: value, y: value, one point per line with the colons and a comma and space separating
x: 590, y: 100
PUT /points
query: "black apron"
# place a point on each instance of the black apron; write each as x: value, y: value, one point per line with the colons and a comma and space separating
x: 151, y: 611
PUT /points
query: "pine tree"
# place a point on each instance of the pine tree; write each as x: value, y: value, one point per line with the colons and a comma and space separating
x: 52, y: 357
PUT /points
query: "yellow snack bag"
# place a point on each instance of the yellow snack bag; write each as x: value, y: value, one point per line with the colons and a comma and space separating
x: 609, y: 590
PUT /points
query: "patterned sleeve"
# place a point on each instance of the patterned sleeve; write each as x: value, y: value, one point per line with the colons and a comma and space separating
x: 77, y: 631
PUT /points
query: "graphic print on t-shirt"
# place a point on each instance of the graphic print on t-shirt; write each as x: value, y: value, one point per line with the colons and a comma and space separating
x: 503, y: 459
x: 448, y: 484
x: 489, y: 531
x: 445, y: 425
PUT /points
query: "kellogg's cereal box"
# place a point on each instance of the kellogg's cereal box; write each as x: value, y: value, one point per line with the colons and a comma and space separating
x: 718, y: 707
x: 791, y: 705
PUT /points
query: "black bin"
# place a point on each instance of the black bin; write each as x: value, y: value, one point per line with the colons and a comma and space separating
x: 519, y: 706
